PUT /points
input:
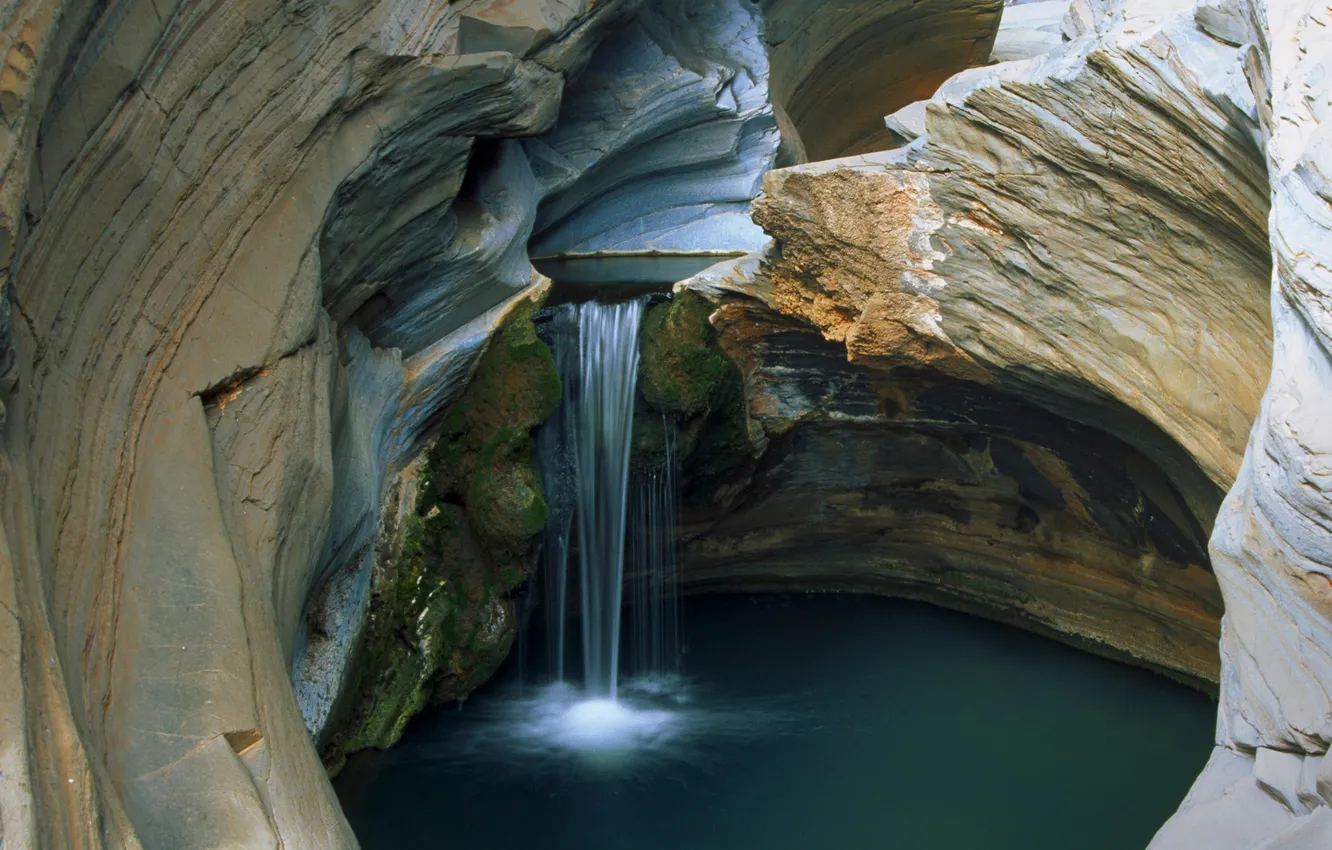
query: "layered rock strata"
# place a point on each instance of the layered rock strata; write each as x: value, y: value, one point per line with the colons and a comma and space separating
x: 917, y: 483
x: 662, y: 140
x: 1269, y: 782
x: 256, y: 249
x: 253, y: 253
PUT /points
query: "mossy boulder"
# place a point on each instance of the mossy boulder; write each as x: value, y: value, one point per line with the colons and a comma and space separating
x: 456, y: 539
x: 682, y: 366
x: 685, y: 377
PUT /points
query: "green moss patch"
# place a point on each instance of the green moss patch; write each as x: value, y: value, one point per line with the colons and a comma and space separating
x: 441, y: 621
x: 686, y: 376
x: 682, y: 368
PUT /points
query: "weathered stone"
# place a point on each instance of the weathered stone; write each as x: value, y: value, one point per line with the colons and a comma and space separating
x: 925, y: 485
x: 455, y: 540
x: 190, y: 193
x: 662, y: 141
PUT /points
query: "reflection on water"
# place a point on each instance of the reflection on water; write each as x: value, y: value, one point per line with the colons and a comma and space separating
x: 805, y: 722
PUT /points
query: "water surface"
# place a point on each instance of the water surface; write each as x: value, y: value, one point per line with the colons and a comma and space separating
x: 805, y: 722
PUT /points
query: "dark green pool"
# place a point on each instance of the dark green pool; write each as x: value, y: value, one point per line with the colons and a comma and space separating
x: 807, y: 722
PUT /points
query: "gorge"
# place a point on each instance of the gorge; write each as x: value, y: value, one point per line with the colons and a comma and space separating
x: 1014, y: 308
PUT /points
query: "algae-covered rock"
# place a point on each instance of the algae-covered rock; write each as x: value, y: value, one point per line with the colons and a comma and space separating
x: 456, y: 538
x: 683, y: 367
x: 686, y: 377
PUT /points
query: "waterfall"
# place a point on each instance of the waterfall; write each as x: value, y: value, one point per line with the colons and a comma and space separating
x: 601, y: 510
x: 555, y: 450
x: 608, y: 351
x: 656, y: 611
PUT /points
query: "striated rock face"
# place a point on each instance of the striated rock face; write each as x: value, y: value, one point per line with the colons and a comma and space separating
x: 1269, y: 782
x: 1081, y: 241
x: 256, y: 249
x: 259, y: 260
x: 1011, y: 367
x: 662, y: 140
x: 919, y: 483
x: 254, y: 252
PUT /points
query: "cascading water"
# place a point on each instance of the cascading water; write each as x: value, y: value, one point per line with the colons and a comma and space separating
x: 600, y: 508
x: 656, y: 611
x: 608, y: 354
x: 555, y: 449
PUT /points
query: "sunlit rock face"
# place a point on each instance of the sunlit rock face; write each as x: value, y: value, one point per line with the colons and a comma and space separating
x: 1034, y: 239
x: 1269, y: 782
x: 1015, y: 363
x: 1117, y: 190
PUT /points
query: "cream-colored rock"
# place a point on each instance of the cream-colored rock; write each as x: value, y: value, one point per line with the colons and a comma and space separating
x: 1272, y: 548
x: 1087, y: 228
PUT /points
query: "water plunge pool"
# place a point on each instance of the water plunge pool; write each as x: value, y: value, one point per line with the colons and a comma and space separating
x: 803, y: 722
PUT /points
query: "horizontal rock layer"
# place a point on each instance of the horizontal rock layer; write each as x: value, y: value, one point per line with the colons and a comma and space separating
x: 920, y: 484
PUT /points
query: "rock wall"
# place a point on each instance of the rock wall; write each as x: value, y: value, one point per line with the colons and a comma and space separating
x: 252, y: 255
x: 913, y: 482
x: 1085, y: 232
x: 1011, y: 366
x: 1269, y: 782
x: 255, y: 250
x: 838, y: 69
x: 662, y: 140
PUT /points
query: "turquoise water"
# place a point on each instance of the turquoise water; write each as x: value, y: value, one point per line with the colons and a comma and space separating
x: 805, y: 722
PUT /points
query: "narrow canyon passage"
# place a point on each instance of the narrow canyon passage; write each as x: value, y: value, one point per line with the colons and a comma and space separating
x: 665, y: 424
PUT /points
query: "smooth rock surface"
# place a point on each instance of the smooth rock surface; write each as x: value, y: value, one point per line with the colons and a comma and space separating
x: 663, y: 139
x: 837, y: 69
x: 1272, y: 549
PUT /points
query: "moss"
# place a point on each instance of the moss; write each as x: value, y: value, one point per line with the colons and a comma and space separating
x: 685, y: 375
x: 440, y: 620
x: 682, y: 365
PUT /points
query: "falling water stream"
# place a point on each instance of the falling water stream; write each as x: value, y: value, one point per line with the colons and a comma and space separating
x: 608, y: 362
x: 611, y: 516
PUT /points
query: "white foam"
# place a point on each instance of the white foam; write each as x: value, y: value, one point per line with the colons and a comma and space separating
x: 654, y: 720
x: 604, y: 724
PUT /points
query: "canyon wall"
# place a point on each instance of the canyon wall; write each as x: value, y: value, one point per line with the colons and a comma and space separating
x: 1082, y: 235
x: 253, y: 253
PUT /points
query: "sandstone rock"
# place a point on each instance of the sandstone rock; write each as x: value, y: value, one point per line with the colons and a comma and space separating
x: 925, y: 485
x: 928, y: 254
x: 1028, y: 30
x: 1271, y: 547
